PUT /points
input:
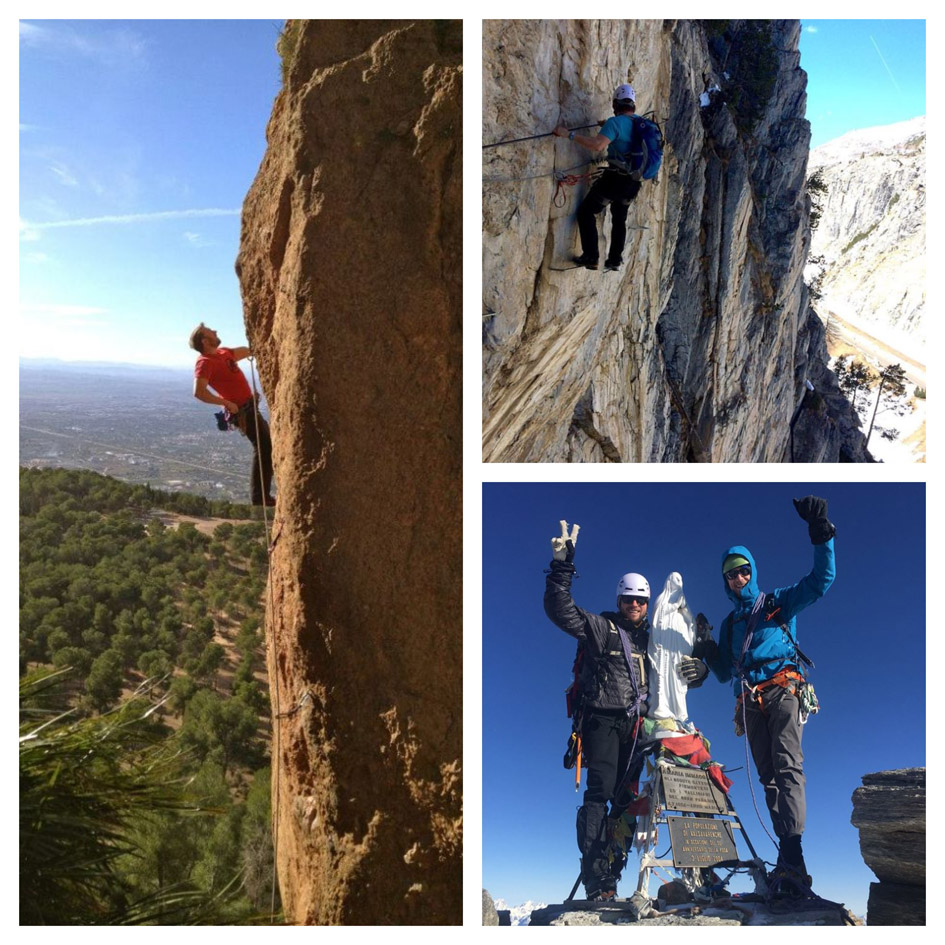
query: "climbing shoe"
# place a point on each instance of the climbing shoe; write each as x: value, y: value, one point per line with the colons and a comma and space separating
x: 611, y: 265
x: 582, y: 260
x: 604, y: 895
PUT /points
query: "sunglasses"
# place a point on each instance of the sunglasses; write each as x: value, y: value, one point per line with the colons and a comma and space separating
x: 631, y: 599
x: 743, y: 571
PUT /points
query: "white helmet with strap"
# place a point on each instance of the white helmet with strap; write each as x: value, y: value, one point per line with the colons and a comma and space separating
x: 633, y: 584
x: 624, y: 92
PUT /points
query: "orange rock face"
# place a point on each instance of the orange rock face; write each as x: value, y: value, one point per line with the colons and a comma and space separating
x: 350, y: 270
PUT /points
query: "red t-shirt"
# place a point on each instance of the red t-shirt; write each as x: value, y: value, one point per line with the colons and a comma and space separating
x: 223, y: 374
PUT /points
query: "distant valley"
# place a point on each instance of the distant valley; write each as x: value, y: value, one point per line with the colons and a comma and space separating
x: 139, y: 424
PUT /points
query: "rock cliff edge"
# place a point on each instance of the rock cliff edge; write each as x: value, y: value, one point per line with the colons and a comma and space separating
x: 701, y: 347
x: 350, y: 270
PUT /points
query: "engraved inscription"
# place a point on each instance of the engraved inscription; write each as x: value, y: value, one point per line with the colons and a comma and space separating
x: 700, y: 841
x: 691, y: 790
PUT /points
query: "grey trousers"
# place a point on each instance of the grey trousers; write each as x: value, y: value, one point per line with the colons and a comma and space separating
x: 775, y: 739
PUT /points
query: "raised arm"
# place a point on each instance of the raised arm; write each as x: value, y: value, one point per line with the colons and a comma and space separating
x: 814, y: 585
x: 559, y: 606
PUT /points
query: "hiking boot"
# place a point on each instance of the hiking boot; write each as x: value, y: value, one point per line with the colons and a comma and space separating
x: 786, y: 882
x: 612, y: 265
x: 584, y: 261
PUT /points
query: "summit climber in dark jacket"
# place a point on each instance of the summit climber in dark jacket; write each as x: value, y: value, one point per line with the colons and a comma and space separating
x: 613, y: 683
x: 615, y: 186
x: 757, y: 648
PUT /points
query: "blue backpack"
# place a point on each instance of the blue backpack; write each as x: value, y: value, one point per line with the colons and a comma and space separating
x: 643, y: 160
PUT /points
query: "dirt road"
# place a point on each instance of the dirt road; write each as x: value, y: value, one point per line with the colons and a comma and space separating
x: 843, y: 334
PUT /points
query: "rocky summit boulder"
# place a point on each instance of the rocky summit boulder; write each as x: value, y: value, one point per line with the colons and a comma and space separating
x: 889, y: 811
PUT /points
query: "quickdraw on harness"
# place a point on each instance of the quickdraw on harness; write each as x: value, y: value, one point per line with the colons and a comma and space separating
x: 227, y: 421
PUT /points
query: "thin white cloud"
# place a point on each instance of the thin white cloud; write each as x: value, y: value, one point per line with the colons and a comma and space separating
x: 886, y: 65
x: 64, y: 175
x: 810, y: 29
x: 129, y: 218
x: 118, y: 46
x: 197, y: 239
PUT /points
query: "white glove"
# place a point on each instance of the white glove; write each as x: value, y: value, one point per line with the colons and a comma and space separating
x: 563, y: 548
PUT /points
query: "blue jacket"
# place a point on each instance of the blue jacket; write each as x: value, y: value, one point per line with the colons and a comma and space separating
x: 619, y: 128
x: 772, y: 649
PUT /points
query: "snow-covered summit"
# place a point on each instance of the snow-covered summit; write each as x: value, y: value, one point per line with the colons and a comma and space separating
x: 866, y: 140
x: 520, y: 914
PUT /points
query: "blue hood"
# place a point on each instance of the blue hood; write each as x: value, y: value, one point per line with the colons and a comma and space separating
x: 750, y: 591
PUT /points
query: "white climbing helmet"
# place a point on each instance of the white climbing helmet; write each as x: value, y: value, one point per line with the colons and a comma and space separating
x: 623, y: 92
x: 634, y: 584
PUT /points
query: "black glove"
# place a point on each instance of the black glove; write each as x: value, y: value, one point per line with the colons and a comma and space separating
x: 706, y: 650
x: 703, y: 627
x: 693, y: 671
x: 814, y: 511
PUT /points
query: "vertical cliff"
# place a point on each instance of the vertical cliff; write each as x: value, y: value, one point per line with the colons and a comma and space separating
x: 870, y: 241
x: 698, y: 349
x: 350, y: 269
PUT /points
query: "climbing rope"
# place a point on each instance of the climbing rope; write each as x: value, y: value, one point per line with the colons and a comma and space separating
x: 277, y: 754
x: 569, y: 180
x: 551, y: 173
x: 547, y: 134
x: 751, y: 787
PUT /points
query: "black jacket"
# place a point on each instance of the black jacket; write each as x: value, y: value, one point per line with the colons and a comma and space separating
x: 604, y: 677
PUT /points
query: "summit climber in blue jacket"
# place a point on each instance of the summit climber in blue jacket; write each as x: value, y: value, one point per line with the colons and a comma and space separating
x: 758, y: 650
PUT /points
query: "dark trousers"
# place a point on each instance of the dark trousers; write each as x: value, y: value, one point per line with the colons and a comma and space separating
x: 617, y: 190
x: 607, y: 739
x: 774, y: 736
x: 260, y: 484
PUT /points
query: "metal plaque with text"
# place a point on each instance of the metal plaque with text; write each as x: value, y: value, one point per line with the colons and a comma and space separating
x: 692, y: 790
x: 701, y: 841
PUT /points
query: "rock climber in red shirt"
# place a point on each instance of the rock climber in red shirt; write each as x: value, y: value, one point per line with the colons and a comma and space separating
x: 217, y: 370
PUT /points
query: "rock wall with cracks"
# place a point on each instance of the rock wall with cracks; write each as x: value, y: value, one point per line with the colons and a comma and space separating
x: 350, y: 270
x: 699, y: 348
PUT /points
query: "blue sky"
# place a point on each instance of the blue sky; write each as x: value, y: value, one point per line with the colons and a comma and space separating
x: 138, y: 142
x: 866, y: 636
x: 862, y: 73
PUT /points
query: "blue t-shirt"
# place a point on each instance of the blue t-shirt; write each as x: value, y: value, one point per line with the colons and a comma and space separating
x: 619, y: 129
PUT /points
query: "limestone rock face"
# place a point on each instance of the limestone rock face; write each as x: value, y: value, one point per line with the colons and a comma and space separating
x: 889, y: 811
x: 696, y: 350
x: 489, y: 914
x: 350, y: 269
x: 871, y: 234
